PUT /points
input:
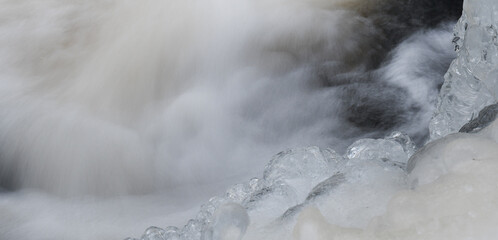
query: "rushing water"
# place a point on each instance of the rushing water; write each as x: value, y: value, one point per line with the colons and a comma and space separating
x: 117, y: 115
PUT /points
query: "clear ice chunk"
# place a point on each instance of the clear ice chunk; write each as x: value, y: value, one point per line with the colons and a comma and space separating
x: 154, y: 233
x: 326, y: 186
x: 193, y: 230
x: 230, y: 222
x: 369, y: 166
x: 297, y: 178
x: 277, y: 196
x: 471, y: 82
x: 300, y: 177
x: 297, y: 163
x: 240, y: 193
x: 172, y: 233
x: 380, y: 150
x: 372, y: 173
x: 404, y: 140
x: 302, y: 168
x: 208, y: 209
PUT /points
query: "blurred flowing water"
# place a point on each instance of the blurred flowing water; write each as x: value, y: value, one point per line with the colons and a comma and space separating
x: 118, y: 115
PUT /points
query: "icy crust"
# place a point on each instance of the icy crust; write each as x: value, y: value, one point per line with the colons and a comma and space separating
x: 446, y: 190
x: 350, y: 187
x: 453, y: 194
x: 471, y: 82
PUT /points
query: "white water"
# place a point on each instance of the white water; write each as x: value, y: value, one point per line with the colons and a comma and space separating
x: 177, y: 99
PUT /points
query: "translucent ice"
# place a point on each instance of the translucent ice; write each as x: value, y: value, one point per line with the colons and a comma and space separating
x: 453, y: 196
x: 471, y: 82
x: 303, y: 168
x: 387, y: 151
x: 193, y: 230
x: 348, y: 188
x: 172, y: 233
x: 154, y: 233
x: 373, y: 173
x: 363, y: 179
x: 230, y: 223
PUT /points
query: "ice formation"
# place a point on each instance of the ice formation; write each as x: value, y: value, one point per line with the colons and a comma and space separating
x: 471, y: 82
x: 452, y: 181
x: 453, y: 196
x: 381, y: 188
x: 370, y: 172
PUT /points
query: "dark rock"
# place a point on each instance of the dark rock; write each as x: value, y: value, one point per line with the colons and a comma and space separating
x: 486, y: 116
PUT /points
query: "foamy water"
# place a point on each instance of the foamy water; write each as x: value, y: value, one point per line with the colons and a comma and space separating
x: 118, y: 115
